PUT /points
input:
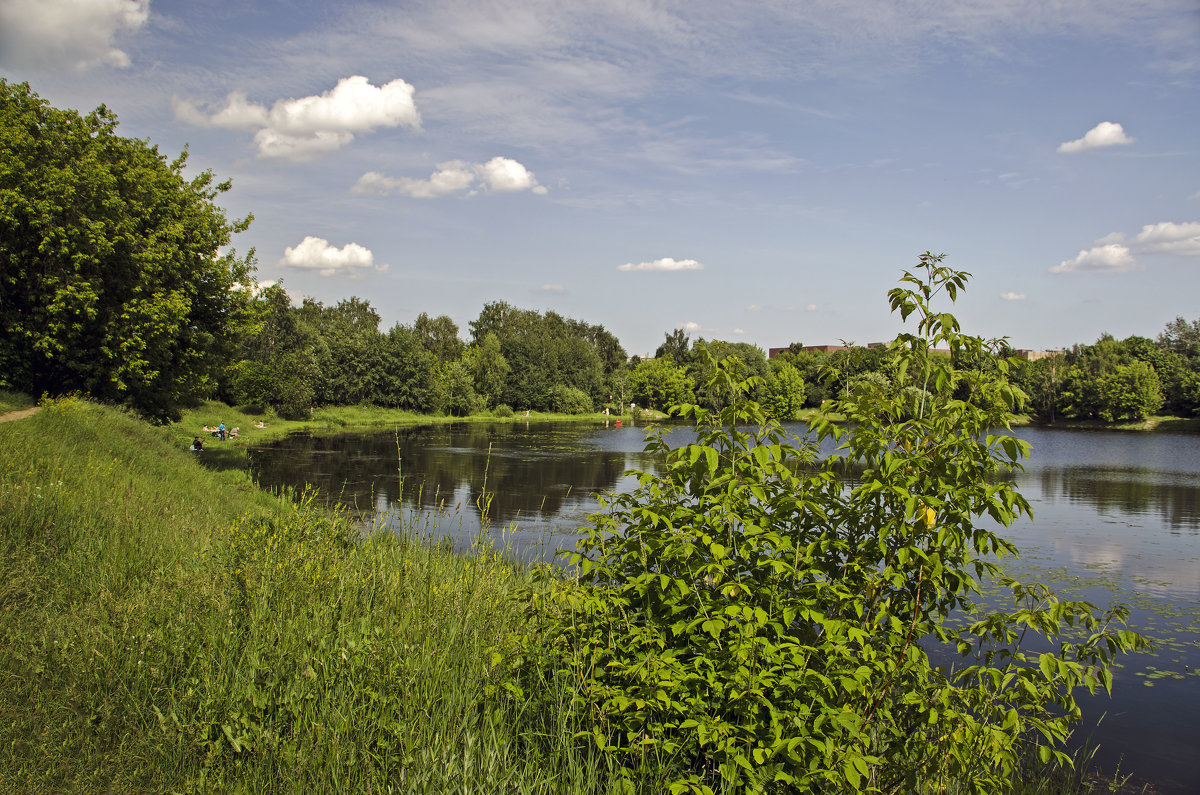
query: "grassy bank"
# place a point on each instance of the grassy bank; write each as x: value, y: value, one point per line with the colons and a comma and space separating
x: 13, y: 401
x: 168, y: 628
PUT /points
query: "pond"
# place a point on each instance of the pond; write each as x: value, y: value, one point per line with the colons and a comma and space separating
x: 1116, y: 518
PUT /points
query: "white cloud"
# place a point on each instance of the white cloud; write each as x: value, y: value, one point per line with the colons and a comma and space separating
x: 1112, y: 254
x: 664, y: 264
x: 1111, y: 258
x: 504, y: 175
x: 300, y: 129
x: 498, y: 175
x: 739, y: 331
x: 75, y: 34
x: 1106, y: 133
x: 1011, y: 296
x: 753, y: 308
x: 272, y: 143
x: 691, y: 326
x: 315, y: 253
x: 551, y: 289
x: 811, y: 308
x: 1170, y: 238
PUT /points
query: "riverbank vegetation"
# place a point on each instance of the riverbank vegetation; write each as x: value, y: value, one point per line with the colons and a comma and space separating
x: 170, y: 629
x: 735, y: 624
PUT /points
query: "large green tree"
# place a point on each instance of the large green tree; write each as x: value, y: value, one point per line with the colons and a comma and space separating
x: 114, y: 278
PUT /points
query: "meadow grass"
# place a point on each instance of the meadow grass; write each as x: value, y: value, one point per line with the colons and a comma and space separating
x: 164, y: 627
x: 14, y: 401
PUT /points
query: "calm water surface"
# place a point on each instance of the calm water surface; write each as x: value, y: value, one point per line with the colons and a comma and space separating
x: 1116, y: 518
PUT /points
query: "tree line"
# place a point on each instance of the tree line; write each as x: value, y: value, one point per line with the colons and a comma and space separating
x: 117, y: 281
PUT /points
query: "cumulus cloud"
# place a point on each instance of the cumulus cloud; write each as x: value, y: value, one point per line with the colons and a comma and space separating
x: 498, y: 175
x: 316, y: 254
x: 1114, y: 254
x: 305, y: 127
x: 1170, y: 238
x: 691, y: 326
x: 664, y: 264
x: 551, y: 289
x: 739, y: 331
x: 1111, y: 258
x: 75, y: 34
x: 1106, y: 133
x: 1011, y: 296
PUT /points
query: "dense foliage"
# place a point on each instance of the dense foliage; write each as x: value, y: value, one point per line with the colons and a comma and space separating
x: 112, y: 276
x: 747, y: 620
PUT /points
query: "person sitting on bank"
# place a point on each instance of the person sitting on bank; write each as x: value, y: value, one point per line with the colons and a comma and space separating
x: 197, y: 445
x: 234, y: 433
x: 260, y: 424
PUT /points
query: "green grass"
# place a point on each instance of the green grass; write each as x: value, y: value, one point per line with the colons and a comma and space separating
x: 14, y: 401
x: 165, y: 627
x: 168, y: 628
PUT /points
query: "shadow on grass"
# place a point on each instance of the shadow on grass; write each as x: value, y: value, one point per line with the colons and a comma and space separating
x: 222, y: 456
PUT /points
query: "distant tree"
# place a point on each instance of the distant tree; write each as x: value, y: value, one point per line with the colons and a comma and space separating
x: 115, y: 279
x: 412, y: 374
x: 676, y: 346
x: 543, y: 351
x: 783, y: 395
x: 489, y: 368
x: 275, y: 364
x: 660, y: 383
x: 1182, y: 337
x: 461, y: 397
x: 707, y: 356
x: 352, y: 360
x: 570, y: 400
x: 1042, y: 381
x: 1131, y: 392
x: 439, y: 336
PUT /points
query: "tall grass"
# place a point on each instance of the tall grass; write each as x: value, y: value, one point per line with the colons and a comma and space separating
x: 168, y: 628
x: 163, y: 628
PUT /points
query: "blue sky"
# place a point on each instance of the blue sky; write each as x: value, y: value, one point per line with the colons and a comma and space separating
x: 757, y: 171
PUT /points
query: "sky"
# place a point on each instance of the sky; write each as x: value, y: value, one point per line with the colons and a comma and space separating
x: 759, y: 172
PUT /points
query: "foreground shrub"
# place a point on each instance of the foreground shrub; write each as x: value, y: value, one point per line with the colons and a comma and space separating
x: 750, y: 621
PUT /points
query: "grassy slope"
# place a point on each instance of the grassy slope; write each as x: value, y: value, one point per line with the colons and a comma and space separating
x: 12, y: 401
x: 164, y: 627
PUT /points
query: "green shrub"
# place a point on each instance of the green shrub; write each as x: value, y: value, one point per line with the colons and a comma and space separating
x: 750, y: 621
x: 503, y: 410
x: 570, y: 400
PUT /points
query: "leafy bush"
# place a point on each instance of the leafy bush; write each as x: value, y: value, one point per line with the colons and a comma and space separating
x: 503, y: 410
x: 570, y: 400
x: 749, y: 620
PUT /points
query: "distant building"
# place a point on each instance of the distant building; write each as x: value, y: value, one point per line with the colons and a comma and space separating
x: 1033, y: 356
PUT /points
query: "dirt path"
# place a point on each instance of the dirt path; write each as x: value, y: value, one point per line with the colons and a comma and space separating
x: 19, y: 415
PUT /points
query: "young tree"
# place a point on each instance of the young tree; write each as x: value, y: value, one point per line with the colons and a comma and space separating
x: 783, y: 394
x: 749, y: 621
x: 660, y: 383
x: 113, y: 279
